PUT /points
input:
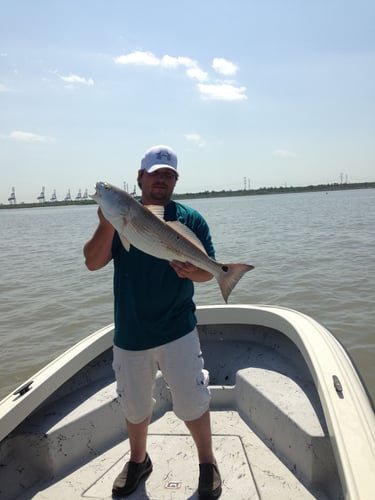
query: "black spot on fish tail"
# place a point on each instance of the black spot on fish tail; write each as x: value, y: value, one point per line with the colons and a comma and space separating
x: 229, y: 276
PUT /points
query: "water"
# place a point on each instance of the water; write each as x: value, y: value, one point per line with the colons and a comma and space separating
x: 313, y: 252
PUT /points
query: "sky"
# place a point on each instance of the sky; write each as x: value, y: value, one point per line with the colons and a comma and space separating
x: 249, y: 93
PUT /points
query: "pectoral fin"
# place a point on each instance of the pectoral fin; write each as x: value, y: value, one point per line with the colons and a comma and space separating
x: 125, y: 242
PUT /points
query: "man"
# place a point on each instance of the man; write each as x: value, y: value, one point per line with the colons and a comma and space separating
x: 155, y: 328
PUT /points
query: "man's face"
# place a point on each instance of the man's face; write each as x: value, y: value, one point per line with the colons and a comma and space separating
x: 157, y: 187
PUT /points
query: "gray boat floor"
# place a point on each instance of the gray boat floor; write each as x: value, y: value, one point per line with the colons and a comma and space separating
x: 248, y: 467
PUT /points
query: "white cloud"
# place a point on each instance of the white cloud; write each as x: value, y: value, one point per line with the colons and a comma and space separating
x: 173, y: 62
x: 169, y: 62
x: 141, y: 58
x: 197, y: 74
x: 187, y: 62
x: 222, y: 92
x: 195, y: 139
x: 284, y: 154
x: 223, y: 66
x: 193, y: 70
x: 21, y: 136
x: 78, y: 79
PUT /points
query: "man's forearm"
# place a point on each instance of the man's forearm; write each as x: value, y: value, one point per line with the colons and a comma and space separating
x: 98, y: 250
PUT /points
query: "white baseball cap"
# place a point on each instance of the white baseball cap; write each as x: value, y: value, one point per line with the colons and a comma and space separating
x: 159, y: 157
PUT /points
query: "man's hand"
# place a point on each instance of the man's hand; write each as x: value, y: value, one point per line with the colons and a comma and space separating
x: 188, y: 270
x: 183, y: 269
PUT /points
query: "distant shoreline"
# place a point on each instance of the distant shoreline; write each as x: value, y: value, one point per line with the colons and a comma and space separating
x: 217, y: 194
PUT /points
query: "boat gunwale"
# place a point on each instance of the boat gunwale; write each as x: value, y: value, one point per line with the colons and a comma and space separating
x: 350, y: 418
x: 349, y: 414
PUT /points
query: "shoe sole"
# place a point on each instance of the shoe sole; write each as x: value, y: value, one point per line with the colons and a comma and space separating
x: 209, y: 496
x: 122, y: 492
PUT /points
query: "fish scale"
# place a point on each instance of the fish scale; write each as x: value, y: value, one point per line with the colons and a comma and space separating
x: 140, y: 227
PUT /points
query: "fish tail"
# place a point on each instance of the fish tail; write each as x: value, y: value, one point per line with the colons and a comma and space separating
x: 229, y: 276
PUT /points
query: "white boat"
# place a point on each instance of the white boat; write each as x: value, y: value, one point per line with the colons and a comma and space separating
x: 291, y: 418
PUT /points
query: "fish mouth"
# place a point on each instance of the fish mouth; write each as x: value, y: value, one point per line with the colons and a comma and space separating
x: 96, y: 193
x: 98, y: 189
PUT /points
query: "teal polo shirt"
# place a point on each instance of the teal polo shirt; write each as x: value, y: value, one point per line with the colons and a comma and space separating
x: 152, y: 305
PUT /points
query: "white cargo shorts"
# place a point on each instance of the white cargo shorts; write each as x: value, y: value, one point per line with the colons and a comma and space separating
x: 182, y: 366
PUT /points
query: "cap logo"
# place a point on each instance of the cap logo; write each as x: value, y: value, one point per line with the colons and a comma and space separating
x: 164, y: 154
x: 159, y: 157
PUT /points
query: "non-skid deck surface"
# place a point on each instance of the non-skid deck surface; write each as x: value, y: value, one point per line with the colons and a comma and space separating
x: 249, y: 469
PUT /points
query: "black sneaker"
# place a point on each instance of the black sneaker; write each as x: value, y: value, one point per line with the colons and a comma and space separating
x: 209, y: 481
x: 130, y: 476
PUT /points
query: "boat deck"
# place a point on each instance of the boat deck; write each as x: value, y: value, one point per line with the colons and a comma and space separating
x: 269, y: 433
x: 248, y: 467
x: 290, y: 418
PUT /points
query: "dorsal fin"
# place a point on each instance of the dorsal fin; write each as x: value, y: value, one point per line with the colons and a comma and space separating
x: 185, y: 231
x: 157, y: 210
